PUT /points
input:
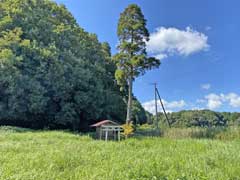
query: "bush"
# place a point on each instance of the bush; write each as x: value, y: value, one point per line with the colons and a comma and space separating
x: 127, y: 129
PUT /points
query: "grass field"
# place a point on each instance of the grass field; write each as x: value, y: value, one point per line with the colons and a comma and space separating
x: 56, y: 155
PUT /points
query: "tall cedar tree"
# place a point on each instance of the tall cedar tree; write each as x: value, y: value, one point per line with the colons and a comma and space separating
x: 132, y: 59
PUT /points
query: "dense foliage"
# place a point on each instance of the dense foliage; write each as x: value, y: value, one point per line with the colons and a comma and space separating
x: 61, y: 155
x: 201, y: 118
x: 53, y: 74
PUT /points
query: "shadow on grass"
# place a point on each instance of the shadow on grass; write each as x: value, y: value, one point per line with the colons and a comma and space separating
x: 142, y: 133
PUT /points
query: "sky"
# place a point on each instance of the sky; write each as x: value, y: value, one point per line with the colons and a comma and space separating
x: 197, y: 42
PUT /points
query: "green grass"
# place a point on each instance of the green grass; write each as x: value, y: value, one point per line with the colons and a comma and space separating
x: 60, y: 155
x: 221, y: 133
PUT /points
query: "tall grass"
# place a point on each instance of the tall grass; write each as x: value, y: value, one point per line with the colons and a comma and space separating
x: 221, y: 133
x: 60, y: 155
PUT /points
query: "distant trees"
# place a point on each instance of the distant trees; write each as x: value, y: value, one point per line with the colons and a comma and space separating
x: 139, y: 115
x: 132, y: 58
x: 201, y: 118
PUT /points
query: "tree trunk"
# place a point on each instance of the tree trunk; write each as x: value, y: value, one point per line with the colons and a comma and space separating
x: 129, y: 107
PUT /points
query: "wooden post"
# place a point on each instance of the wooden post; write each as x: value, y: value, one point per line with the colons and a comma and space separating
x: 156, y: 105
x: 114, y: 134
x: 119, y: 134
x: 106, y: 134
x: 100, y: 133
x: 160, y: 99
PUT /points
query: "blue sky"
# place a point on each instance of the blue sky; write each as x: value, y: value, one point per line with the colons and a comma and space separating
x: 198, y: 42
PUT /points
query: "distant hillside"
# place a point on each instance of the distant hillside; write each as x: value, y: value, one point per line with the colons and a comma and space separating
x: 207, y: 118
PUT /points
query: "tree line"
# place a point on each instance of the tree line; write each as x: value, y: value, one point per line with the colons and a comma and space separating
x: 54, y: 74
x: 198, y: 118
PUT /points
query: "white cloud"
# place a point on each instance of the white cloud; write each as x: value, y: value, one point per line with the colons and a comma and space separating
x: 233, y: 98
x: 213, y: 101
x: 169, y: 106
x: 168, y: 41
x: 149, y: 106
x: 174, y: 104
x: 161, y: 56
x: 206, y: 86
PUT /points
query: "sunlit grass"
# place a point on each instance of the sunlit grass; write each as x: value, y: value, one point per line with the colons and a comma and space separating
x: 65, y: 156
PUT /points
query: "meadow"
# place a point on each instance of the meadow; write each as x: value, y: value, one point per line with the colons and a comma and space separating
x: 59, y: 155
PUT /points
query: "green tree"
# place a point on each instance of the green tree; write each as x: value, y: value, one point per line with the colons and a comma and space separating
x: 52, y: 73
x: 132, y: 59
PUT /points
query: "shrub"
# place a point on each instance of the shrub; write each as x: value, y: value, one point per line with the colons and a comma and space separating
x: 127, y: 129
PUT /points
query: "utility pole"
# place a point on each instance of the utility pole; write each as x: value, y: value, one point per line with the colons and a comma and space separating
x: 157, y: 96
x: 164, y: 111
x: 156, y: 106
